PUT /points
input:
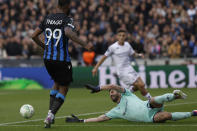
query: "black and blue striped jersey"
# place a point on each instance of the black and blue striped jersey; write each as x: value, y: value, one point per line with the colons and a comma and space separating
x: 56, y: 42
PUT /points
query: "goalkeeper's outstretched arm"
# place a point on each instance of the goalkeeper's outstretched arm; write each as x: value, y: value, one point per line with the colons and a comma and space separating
x: 75, y: 119
x: 97, y: 119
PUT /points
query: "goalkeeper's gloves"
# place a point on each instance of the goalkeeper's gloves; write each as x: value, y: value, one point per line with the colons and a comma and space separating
x: 74, y: 119
x: 93, y: 88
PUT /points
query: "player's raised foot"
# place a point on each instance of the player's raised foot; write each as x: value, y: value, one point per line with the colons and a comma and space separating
x: 194, y: 113
x: 179, y: 94
x: 49, y: 120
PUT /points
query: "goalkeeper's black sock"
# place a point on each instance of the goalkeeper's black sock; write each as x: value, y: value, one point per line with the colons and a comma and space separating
x: 59, y: 100
x: 53, y: 93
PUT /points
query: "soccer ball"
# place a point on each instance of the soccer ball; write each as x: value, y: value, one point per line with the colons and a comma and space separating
x: 27, y: 111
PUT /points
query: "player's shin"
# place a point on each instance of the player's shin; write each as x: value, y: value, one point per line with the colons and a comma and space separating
x: 59, y: 100
x: 164, y: 98
x: 180, y: 115
x: 53, y: 93
x: 139, y: 85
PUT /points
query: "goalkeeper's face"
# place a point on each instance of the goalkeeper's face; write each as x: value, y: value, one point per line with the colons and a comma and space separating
x: 115, y: 95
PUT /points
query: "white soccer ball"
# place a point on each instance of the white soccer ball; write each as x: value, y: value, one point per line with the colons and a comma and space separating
x: 27, y: 111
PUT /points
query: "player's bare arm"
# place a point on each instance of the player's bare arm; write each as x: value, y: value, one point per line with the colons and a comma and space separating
x: 95, y: 69
x: 74, y: 37
x: 97, y: 119
x: 36, y: 39
x: 113, y: 87
x: 101, y: 118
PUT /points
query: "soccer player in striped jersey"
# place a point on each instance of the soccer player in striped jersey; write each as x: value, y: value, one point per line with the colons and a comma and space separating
x: 58, y: 28
x: 131, y: 108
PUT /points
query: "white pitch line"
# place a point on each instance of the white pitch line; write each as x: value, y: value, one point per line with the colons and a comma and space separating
x: 105, y: 125
x: 6, y: 93
x: 20, y: 125
x: 85, y: 114
x: 18, y: 122
x: 9, y: 93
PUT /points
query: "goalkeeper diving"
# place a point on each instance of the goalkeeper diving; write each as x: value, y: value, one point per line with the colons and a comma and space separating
x: 132, y: 108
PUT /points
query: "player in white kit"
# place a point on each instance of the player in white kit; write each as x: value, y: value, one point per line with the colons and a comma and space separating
x: 122, y: 52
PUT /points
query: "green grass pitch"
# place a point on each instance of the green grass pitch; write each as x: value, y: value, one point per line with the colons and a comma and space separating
x: 80, y: 102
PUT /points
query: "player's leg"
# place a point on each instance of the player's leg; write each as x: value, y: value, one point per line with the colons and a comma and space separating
x: 158, y: 101
x: 133, y: 89
x: 54, y: 91
x: 139, y: 85
x: 51, y: 70
x: 163, y: 116
x: 123, y: 85
x: 50, y: 66
x: 57, y: 103
x: 134, y: 82
x: 62, y: 75
x: 59, y: 99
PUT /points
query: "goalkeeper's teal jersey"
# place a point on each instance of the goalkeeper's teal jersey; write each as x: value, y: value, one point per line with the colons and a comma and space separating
x: 133, y: 109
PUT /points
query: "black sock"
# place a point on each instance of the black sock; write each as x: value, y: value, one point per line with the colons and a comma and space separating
x: 53, y: 94
x: 52, y: 98
x: 57, y: 103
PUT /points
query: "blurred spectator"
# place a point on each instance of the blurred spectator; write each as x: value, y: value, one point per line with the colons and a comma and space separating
x: 185, y: 50
x: 72, y: 51
x: 154, y: 49
x: 195, y: 50
x: 153, y: 25
x: 3, y: 53
x: 14, y: 47
x: 137, y: 46
x: 164, y: 49
x: 100, y: 46
x: 174, y: 50
x: 191, y: 11
x: 192, y: 42
x: 30, y: 49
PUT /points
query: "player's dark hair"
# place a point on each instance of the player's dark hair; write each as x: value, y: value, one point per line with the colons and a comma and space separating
x: 121, y: 30
x: 63, y: 3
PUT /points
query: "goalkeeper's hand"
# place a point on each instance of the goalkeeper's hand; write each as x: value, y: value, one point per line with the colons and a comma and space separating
x: 93, y: 89
x: 73, y: 119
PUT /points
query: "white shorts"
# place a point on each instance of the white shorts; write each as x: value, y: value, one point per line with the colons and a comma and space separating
x: 128, y: 78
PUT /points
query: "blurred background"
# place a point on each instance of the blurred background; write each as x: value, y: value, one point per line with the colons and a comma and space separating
x: 164, y: 30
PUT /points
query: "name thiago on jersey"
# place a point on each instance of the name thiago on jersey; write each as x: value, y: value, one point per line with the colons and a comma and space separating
x: 54, y: 22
